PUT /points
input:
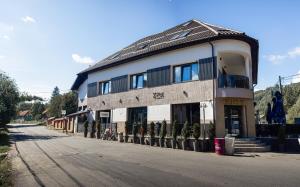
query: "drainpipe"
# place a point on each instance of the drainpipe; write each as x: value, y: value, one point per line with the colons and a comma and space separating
x: 213, y: 78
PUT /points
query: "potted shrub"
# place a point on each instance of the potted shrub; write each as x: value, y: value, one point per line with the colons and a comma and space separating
x: 142, y: 132
x: 134, y: 132
x: 196, y: 135
x: 174, y: 134
x: 92, y: 134
x: 281, y: 138
x: 86, y: 126
x: 185, y: 133
x: 126, y: 131
x: 152, y: 134
x: 157, y: 132
x: 163, y: 132
x: 98, y: 130
x: 211, y: 135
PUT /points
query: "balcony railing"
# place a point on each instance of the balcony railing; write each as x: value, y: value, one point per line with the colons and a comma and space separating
x: 233, y: 81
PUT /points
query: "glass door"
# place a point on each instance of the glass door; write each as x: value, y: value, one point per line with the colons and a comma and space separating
x: 233, y: 120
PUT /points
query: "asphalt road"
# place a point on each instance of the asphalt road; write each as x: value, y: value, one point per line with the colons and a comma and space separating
x: 48, y: 158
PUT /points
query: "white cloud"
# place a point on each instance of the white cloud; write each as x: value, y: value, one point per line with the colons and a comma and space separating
x: 275, y: 59
x: 294, y: 53
x: 82, y: 60
x: 6, y: 37
x: 278, y: 58
x: 296, y: 78
x: 28, y: 19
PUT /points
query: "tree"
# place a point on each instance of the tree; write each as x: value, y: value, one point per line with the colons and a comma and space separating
x: 69, y: 102
x: 55, y: 103
x: 37, y: 109
x: 294, y: 112
x: 9, y: 96
x: 55, y: 92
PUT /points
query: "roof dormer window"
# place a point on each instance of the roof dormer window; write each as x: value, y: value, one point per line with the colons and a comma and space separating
x: 180, y: 35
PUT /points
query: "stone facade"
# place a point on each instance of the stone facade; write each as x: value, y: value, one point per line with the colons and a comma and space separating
x: 188, y: 92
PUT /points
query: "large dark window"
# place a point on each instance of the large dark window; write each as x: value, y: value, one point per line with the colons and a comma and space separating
x: 92, y: 90
x: 138, y: 81
x: 158, y: 76
x: 119, y: 84
x: 186, y: 72
x: 136, y: 115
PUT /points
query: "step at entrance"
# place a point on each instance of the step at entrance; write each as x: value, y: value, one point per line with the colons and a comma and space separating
x: 250, y: 145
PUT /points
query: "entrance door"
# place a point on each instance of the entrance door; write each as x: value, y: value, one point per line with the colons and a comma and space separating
x: 233, y: 120
x: 136, y: 115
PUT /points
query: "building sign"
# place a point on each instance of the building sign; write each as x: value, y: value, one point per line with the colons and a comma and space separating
x: 63, y: 112
x: 104, y: 114
x: 158, y: 95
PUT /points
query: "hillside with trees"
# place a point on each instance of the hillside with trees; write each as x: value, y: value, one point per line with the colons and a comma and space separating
x: 291, y: 99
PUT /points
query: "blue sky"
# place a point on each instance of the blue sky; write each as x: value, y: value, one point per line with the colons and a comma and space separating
x: 44, y: 44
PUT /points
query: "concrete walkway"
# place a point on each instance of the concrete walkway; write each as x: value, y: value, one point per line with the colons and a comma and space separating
x: 48, y: 158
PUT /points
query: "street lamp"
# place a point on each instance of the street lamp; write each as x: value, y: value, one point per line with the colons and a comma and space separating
x: 203, y: 106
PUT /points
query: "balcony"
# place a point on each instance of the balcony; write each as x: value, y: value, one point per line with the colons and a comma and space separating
x: 233, y: 81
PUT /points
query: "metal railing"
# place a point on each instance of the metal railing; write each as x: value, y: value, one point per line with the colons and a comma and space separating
x: 233, y: 81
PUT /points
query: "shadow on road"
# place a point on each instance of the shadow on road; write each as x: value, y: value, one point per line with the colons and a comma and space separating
x: 23, y: 125
x: 26, y: 137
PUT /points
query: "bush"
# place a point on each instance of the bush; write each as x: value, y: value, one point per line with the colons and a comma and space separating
x: 196, y: 131
x: 143, y: 128
x: 185, y: 132
x: 152, y: 126
x: 126, y: 128
x: 163, y: 129
x: 211, y: 131
x: 175, y: 130
x: 86, y: 124
x: 135, y: 129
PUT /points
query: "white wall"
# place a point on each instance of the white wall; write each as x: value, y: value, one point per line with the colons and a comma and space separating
x: 179, y: 56
x: 119, y: 115
x: 82, y: 94
x: 209, y: 114
x: 159, y: 113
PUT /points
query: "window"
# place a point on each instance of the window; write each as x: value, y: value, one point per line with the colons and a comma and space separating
x: 195, y: 71
x: 115, y: 56
x: 180, y: 35
x: 186, y: 72
x: 106, y: 87
x: 178, y: 74
x: 138, y: 81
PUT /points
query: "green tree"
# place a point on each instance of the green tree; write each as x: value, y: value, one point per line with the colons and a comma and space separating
x: 55, y: 103
x: 37, y: 109
x: 294, y: 112
x: 69, y: 102
x: 55, y: 92
x: 9, y: 96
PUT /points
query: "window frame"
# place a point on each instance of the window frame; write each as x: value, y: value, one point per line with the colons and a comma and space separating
x: 135, y: 79
x: 103, y: 88
x: 182, y: 66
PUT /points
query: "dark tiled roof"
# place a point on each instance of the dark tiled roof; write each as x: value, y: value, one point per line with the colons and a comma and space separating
x: 199, y: 32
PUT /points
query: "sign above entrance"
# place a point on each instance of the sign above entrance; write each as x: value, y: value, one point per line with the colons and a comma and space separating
x: 158, y: 95
x: 104, y: 114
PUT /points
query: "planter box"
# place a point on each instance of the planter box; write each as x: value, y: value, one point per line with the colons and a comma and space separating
x: 120, y: 137
x: 162, y: 142
x: 142, y: 140
x: 196, y: 145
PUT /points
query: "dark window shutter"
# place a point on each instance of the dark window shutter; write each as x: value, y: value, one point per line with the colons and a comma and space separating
x: 158, y: 76
x: 92, y: 89
x: 119, y: 84
x: 207, y: 68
